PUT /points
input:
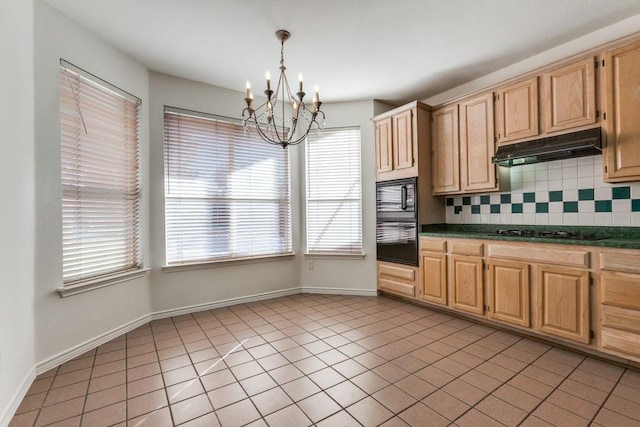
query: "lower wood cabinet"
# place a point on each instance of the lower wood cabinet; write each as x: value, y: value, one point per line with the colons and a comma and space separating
x: 397, y: 278
x: 562, y: 301
x: 546, y: 289
x: 509, y: 292
x: 619, y: 331
x: 466, y: 281
x: 433, y: 286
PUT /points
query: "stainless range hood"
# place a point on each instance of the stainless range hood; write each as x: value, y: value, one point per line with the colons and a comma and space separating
x: 567, y: 146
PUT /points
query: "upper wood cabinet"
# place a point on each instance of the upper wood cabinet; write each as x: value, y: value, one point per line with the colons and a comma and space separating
x: 477, y: 145
x: 517, y: 107
x: 446, y: 150
x: 570, y: 96
x: 621, y: 157
x: 384, y: 148
x: 398, y: 134
x: 463, y: 144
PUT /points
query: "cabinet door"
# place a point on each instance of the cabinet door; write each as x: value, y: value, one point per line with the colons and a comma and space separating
x: 622, y: 91
x: 384, y: 153
x: 403, y: 155
x: 466, y: 283
x: 518, y: 106
x: 477, y: 144
x: 509, y: 292
x: 570, y: 96
x: 434, y: 278
x: 446, y: 158
x: 562, y: 302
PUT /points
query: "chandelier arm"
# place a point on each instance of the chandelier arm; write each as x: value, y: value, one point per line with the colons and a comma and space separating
x: 269, y: 129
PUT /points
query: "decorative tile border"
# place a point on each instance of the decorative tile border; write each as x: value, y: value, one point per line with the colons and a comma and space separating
x: 562, y: 192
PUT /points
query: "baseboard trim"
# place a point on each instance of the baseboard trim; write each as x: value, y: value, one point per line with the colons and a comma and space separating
x: 88, y: 345
x: 5, y: 418
x: 224, y: 303
x: 79, y: 349
x: 338, y: 291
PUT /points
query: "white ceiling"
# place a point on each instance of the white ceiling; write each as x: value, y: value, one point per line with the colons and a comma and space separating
x: 391, y: 50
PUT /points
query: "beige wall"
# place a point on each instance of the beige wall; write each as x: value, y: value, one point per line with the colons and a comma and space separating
x: 64, y: 323
x: 17, y: 195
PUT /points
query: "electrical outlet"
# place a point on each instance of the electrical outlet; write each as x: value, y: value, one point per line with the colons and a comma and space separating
x: 310, y: 264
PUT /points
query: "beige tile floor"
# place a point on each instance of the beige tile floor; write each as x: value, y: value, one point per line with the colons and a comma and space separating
x: 329, y: 361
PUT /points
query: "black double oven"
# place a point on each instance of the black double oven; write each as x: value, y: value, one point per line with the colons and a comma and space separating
x: 397, y: 221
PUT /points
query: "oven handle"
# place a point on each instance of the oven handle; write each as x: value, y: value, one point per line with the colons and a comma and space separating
x: 403, y: 197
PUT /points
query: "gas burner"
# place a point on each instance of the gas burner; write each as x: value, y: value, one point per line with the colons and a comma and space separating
x: 513, y: 232
x: 570, y: 235
x: 560, y: 234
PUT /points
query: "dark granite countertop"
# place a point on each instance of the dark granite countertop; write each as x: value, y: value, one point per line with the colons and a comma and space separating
x: 617, y: 237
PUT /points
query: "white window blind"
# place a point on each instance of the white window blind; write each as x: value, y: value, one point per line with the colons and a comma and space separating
x: 100, y: 178
x: 226, y: 192
x: 334, y: 193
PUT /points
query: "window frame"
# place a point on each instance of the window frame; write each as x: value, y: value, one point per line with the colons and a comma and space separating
x: 358, y: 253
x: 286, y: 202
x: 101, y: 185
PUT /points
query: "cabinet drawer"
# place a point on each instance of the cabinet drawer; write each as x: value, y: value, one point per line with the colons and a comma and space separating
x: 397, y: 278
x: 620, y: 261
x: 400, y: 272
x: 433, y: 245
x: 620, y: 289
x: 622, y: 341
x: 620, y: 318
x: 549, y: 255
x: 396, y: 287
x: 467, y: 248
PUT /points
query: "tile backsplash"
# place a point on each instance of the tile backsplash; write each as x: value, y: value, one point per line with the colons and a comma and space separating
x: 562, y: 192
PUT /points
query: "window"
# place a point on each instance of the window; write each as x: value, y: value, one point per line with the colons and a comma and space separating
x: 100, y: 178
x: 226, y: 192
x: 334, y: 193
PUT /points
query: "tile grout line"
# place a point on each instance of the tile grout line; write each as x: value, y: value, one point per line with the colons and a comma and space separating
x: 604, y: 402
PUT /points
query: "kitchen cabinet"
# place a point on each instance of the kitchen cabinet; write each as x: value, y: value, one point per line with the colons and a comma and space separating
x: 562, y: 302
x: 433, y: 271
x: 467, y: 283
x: 619, y: 326
x: 463, y: 144
x: 446, y: 150
x: 398, y: 279
x: 561, y: 295
x: 477, y: 145
x: 570, y: 96
x: 466, y: 276
x: 509, y: 292
x: 621, y: 156
x: 384, y: 148
x: 517, y: 111
x: 541, y: 289
x: 400, y: 136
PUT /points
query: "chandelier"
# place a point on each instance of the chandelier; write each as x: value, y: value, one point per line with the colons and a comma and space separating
x: 277, y: 120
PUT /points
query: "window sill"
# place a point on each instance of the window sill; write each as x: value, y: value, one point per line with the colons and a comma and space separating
x: 225, y: 263
x: 334, y: 256
x: 90, y: 285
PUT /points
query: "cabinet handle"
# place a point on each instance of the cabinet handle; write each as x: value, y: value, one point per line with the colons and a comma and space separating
x: 403, y: 197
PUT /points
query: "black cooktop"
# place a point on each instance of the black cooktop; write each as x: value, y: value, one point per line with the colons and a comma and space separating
x: 552, y: 234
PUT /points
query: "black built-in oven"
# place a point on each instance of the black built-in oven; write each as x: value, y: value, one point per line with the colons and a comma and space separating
x: 397, y: 221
